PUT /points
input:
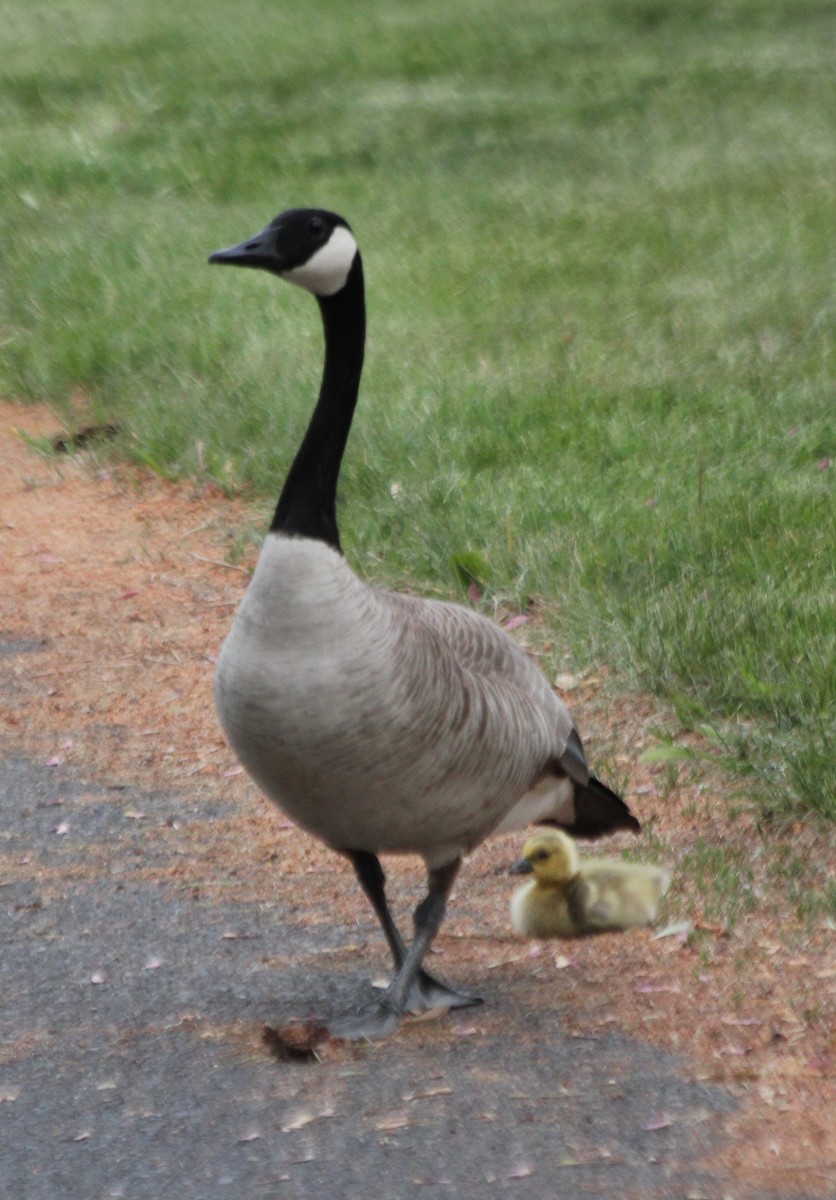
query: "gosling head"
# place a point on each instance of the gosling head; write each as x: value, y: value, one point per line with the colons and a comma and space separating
x: 311, y: 247
x: 549, y: 856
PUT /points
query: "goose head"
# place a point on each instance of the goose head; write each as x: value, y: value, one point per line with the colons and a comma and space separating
x: 549, y: 856
x: 310, y: 247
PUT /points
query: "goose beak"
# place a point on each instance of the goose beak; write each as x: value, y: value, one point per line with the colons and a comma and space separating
x: 521, y: 867
x: 258, y: 251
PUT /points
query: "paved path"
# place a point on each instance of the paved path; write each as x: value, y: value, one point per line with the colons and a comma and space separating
x: 131, y: 1064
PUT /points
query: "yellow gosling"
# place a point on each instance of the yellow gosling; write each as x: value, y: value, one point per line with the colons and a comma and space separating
x: 570, y: 897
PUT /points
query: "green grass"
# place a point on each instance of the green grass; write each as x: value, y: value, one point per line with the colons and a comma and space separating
x: 598, y: 242
x: 723, y: 879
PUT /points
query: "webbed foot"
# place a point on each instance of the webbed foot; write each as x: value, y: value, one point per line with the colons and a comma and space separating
x: 373, y: 1022
x: 378, y: 1019
x: 427, y: 993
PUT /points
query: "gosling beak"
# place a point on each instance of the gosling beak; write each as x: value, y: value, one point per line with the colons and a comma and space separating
x: 258, y: 251
x: 521, y: 867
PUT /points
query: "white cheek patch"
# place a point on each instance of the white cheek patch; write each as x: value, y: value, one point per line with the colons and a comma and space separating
x: 327, y: 270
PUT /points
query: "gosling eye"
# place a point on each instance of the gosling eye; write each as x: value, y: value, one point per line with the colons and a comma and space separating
x: 541, y: 855
x: 316, y: 227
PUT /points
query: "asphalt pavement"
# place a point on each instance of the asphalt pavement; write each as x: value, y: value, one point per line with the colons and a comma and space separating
x: 129, y: 1064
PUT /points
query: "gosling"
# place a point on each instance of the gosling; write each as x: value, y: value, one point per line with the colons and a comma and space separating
x: 572, y: 898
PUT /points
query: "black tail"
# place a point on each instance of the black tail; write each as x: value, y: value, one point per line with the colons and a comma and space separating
x: 598, y: 810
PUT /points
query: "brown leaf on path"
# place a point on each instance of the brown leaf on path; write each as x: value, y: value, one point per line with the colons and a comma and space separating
x: 298, y: 1122
x: 677, y: 929
x: 432, y: 1014
x: 428, y: 1094
x: 302, y: 1119
x: 298, y: 1041
x: 660, y: 1122
x: 520, y: 1171
x: 735, y: 1051
x: 707, y: 927
x: 392, y: 1122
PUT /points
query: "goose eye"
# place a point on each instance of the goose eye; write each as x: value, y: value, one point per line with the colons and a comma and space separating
x: 316, y: 227
x: 542, y: 855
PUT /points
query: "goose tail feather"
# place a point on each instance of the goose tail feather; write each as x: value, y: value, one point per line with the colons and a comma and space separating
x: 598, y: 811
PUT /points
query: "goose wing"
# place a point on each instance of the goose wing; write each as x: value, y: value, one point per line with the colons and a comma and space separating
x: 562, y: 789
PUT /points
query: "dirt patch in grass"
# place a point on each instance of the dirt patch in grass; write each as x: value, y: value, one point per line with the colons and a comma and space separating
x: 117, y: 594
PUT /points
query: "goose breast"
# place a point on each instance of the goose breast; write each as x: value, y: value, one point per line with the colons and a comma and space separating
x: 379, y: 721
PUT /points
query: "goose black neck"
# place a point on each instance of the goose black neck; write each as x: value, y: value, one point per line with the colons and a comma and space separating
x: 308, y: 503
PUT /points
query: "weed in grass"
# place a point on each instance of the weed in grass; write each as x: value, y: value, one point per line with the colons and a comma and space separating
x: 723, y: 880
x: 243, y: 544
x: 41, y: 445
x: 601, y: 330
x: 810, y: 892
x: 651, y: 849
x: 705, y: 948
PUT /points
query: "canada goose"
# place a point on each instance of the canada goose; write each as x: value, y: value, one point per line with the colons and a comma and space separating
x: 570, y: 896
x: 381, y: 722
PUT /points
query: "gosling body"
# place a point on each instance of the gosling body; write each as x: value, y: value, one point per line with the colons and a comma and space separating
x: 573, y: 897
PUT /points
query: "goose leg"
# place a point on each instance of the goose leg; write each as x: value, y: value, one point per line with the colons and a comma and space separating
x: 412, y: 989
x: 373, y: 882
x: 426, y: 992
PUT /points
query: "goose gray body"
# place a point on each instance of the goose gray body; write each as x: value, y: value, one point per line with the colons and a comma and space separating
x: 382, y: 722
